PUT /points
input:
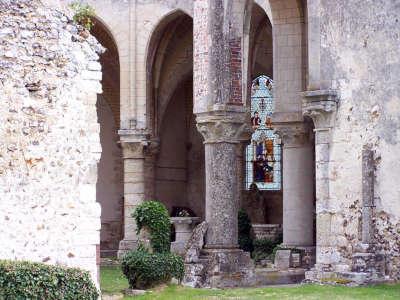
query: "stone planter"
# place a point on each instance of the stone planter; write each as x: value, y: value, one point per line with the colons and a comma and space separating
x: 183, y: 230
x: 266, y: 231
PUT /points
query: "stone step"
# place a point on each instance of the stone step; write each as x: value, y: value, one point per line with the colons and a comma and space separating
x: 269, y: 276
x: 356, y: 277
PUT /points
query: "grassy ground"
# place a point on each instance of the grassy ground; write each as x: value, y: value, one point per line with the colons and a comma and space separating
x: 113, y: 282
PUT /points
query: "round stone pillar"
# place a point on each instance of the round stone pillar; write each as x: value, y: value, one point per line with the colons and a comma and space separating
x: 221, y: 132
x: 298, y: 186
x: 221, y: 202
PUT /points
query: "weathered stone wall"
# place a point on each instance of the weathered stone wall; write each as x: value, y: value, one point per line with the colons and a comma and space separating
x: 49, y: 137
x: 360, y: 58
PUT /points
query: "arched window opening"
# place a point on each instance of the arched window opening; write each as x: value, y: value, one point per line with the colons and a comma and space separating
x: 263, y: 155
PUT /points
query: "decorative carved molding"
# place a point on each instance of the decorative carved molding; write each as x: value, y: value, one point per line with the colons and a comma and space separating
x: 138, y: 144
x: 224, y: 127
x: 293, y: 134
x: 132, y: 150
x: 321, y: 107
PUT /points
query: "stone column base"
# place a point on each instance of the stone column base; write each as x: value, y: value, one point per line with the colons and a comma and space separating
x: 125, y: 246
x: 221, y: 268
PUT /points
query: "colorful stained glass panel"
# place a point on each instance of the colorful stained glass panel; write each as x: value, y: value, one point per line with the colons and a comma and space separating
x: 263, y: 155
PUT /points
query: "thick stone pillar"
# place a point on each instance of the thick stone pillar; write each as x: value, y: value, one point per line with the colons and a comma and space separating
x: 138, y: 157
x: 223, y: 264
x: 221, y: 134
x: 221, y: 119
x: 321, y: 106
x: 298, y: 185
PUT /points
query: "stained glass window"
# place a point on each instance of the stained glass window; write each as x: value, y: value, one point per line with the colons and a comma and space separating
x: 263, y: 155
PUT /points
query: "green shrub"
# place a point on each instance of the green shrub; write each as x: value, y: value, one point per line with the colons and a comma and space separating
x: 144, y: 269
x: 263, y: 249
x: 83, y: 14
x: 266, y: 248
x: 28, y: 280
x: 265, y: 245
x: 154, y: 215
x: 244, y: 228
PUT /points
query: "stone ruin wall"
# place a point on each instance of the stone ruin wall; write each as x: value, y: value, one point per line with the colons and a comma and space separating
x: 359, y: 58
x: 49, y: 137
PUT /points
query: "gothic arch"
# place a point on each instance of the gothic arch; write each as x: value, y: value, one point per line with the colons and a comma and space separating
x: 158, y: 91
x: 110, y: 66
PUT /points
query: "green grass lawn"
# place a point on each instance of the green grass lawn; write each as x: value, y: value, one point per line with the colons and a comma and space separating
x: 113, y: 282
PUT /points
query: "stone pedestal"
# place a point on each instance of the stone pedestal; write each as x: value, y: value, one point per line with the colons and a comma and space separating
x: 183, y: 230
x: 267, y: 231
x: 283, y: 259
x: 221, y: 268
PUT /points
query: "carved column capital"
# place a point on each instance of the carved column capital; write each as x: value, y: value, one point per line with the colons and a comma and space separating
x: 224, y: 127
x: 321, y: 107
x: 293, y: 134
x: 138, y: 145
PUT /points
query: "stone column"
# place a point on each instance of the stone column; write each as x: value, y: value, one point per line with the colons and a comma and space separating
x: 221, y: 132
x: 221, y: 119
x: 223, y: 264
x: 137, y: 175
x: 298, y: 186
x: 321, y: 106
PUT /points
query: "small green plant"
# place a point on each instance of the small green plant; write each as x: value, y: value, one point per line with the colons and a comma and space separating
x: 83, y: 14
x: 144, y: 269
x: 154, y: 215
x: 244, y: 228
x: 263, y: 249
x: 266, y: 248
x: 29, y: 280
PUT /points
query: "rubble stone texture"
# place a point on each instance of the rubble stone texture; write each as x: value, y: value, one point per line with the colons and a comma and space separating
x: 49, y: 137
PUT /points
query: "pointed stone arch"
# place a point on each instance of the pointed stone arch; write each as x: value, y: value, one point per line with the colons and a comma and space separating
x: 158, y: 92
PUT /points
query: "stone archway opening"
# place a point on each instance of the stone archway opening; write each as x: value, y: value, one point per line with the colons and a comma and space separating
x: 180, y: 162
x: 262, y: 194
x: 276, y: 51
x: 179, y: 175
x: 109, y: 188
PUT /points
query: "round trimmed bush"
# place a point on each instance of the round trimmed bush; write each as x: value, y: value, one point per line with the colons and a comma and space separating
x: 29, y: 280
x: 144, y: 269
